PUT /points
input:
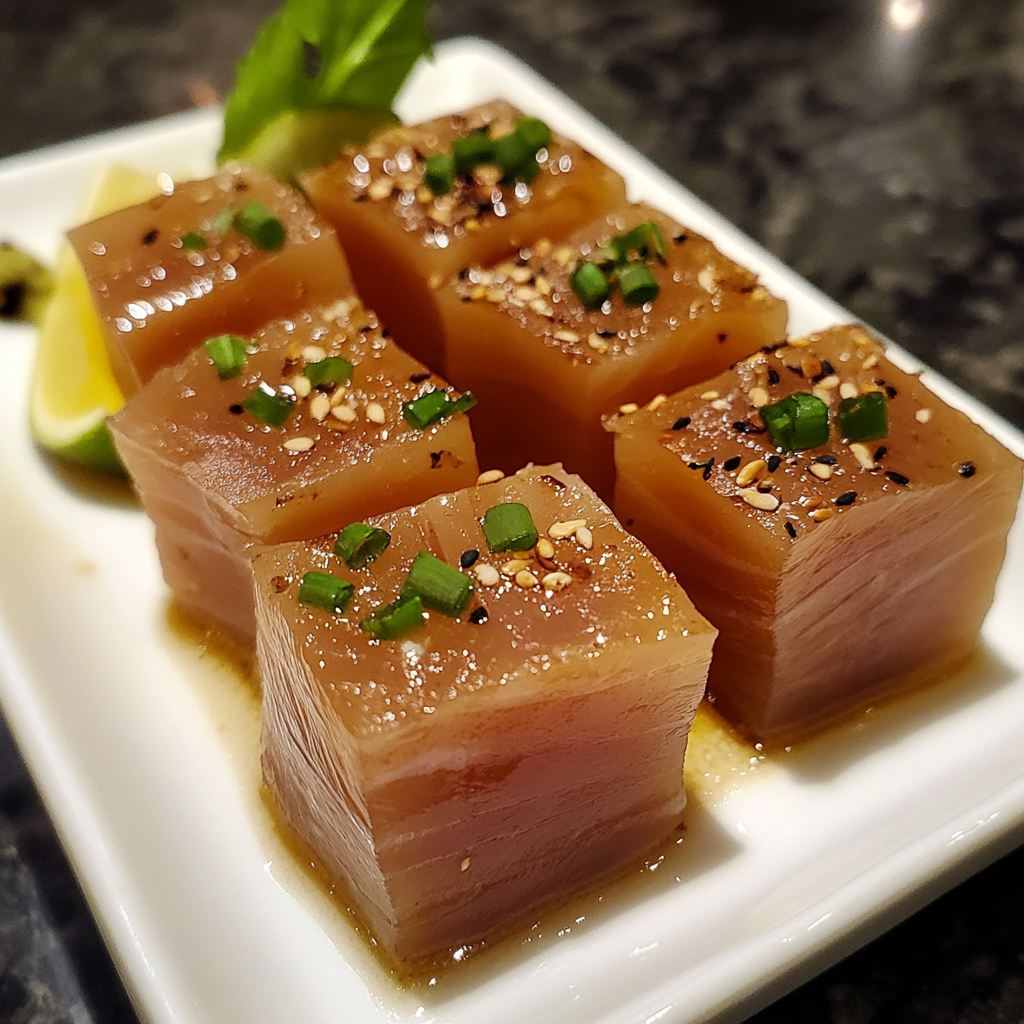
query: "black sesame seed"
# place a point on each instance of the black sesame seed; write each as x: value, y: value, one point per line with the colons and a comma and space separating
x: 683, y: 421
x: 967, y: 470
x: 790, y: 529
x: 897, y: 478
x: 552, y: 481
x: 722, y: 337
x: 467, y: 298
x: 798, y: 370
x: 385, y: 333
x: 891, y: 391
x: 773, y: 375
x: 827, y: 460
x: 478, y: 615
x: 606, y: 334
x: 743, y: 426
x: 708, y: 466
x: 236, y: 410
x: 827, y: 369
x: 880, y: 452
x: 773, y: 463
x: 730, y: 464
x: 463, y: 273
x: 847, y: 499
x: 419, y: 378
x: 679, y: 239
x: 467, y: 558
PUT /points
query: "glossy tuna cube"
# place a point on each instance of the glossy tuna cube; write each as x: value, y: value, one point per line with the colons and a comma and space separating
x: 402, y: 241
x: 546, y: 367
x: 219, y: 479
x: 836, y: 574
x: 202, y: 260
x: 475, y: 769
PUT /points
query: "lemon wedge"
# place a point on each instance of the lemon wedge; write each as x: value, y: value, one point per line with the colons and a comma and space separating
x: 73, y: 389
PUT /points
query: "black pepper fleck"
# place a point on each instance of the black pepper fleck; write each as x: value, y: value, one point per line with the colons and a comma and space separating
x: 730, y: 464
x: 150, y: 236
x: 847, y: 499
x: 467, y: 558
x: 478, y: 615
x: 891, y: 391
x: 897, y: 478
x: 773, y: 375
x: 722, y: 337
x: 967, y: 470
x: 236, y: 410
x: 419, y: 378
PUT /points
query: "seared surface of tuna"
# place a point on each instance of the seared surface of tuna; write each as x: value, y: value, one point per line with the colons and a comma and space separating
x: 478, y: 767
x: 218, y: 477
x: 546, y: 367
x: 403, y: 240
x: 836, y: 570
x: 205, y: 259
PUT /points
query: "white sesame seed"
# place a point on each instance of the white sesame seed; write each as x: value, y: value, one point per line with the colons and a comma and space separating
x: 344, y: 414
x: 597, y: 343
x: 585, y: 538
x: 821, y: 471
x: 559, y: 531
x: 513, y: 566
x: 302, y: 386
x: 338, y: 395
x: 757, y: 499
x: 486, y: 574
x: 829, y: 383
x: 298, y: 444
x: 706, y: 279
x: 524, y: 293
x: 542, y: 284
x: 542, y: 247
x: 541, y: 308
x: 848, y: 389
x: 799, y: 342
x: 570, y: 336
x: 563, y: 255
x: 380, y: 189
x: 556, y: 581
x: 525, y: 579
x: 313, y: 354
x: 821, y: 514
x: 750, y: 472
x: 862, y: 453
x: 923, y: 415
x: 656, y: 403
x: 495, y: 295
x: 720, y: 404
x: 464, y: 866
x: 490, y: 476
x: 319, y: 407
x: 758, y: 397
x: 337, y: 311
x: 520, y: 275
x: 375, y: 413
x: 709, y: 396
x: 822, y: 394
x: 478, y: 292
x: 870, y: 363
x: 545, y: 549
x: 628, y: 409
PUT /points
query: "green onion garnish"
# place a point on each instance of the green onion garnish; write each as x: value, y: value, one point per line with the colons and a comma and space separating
x: 645, y: 242
x: 227, y: 352
x: 472, y: 150
x: 193, y: 240
x: 390, y: 621
x: 590, y: 285
x: 439, y: 175
x: 637, y: 284
x: 437, y: 585
x: 434, y: 406
x: 509, y: 527
x: 223, y: 220
x: 332, y: 370
x: 514, y: 154
x: 268, y: 406
x: 798, y: 422
x: 864, y: 418
x: 260, y: 226
x: 359, y: 544
x: 322, y: 590
x: 535, y: 132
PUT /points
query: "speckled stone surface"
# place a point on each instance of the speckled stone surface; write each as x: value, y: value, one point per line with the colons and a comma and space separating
x: 877, y: 147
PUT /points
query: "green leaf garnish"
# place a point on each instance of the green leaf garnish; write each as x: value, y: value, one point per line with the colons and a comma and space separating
x: 361, y: 50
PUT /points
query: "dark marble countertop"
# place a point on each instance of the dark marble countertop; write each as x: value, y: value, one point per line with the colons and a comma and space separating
x: 877, y: 147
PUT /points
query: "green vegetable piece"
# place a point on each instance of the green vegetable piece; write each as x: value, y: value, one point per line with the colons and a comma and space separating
x: 590, y: 284
x: 223, y: 221
x: 535, y: 132
x: 509, y: 527
x: 324, y: 591
x: 645, y: 242
x: 193, y: 241
x: 798, y: 422
x: 364, y: 50
x: 359, y: 544
x: 514, y: 154
x: 637, y: 284
x: 393, y: 620
x: 260, y: 226
x: 228, y: 354
x: 438, y: 585
x: 435, y: 406
x: 864, y: 418
x: 332, y: 370
x: 470, y: 151
x: 268, y: 406
x: 25, y: 285
x: 439, y: 175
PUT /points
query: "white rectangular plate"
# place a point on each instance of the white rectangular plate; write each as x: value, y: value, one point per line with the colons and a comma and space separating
x: 146, y: 751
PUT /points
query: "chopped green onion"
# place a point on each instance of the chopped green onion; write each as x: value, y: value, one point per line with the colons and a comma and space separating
x: 227, y: 353
x: 434, y: 406
x: 268, y: 406
x: 193, y: 240
x: 359, y: 544
x: 223, y: 221
x: 535, y: 132
x: 514, y: 154
x: 391, y: 621
x: 437, y: 585
x: 472, y: 150
x: 645, y: 241
x: 798, y: 422
x: 603, y: 255
x: 590, y: 285
x: 864, y: 418
x: 509, y: 527
x: 439, y: 175
x: 260, y: 226
x: 332, y: 370
x: 637, y: 284
x: 322, y: 590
